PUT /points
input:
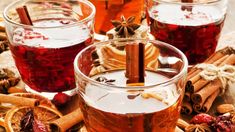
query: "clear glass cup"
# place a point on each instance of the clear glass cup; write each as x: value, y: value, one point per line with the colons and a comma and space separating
x: 109, y: 104
x: 193, y: 27
x: 44, y: 52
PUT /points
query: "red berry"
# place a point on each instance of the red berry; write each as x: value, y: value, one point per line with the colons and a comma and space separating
x: 202, y: 118
x: 61, y: 99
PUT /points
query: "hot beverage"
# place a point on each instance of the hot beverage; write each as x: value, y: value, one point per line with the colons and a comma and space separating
x: 136, y: 88
x: 131, y: 111
x: 45, y: 37
x: 44, y: 58
x: 195, y: 31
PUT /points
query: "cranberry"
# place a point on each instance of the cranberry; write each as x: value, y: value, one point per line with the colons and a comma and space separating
x: 203, y: 118
x: 61, y: 99
x: 223, y: 123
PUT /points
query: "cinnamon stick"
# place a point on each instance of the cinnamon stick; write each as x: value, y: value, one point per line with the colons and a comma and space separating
x: 16, y: 100
x: 206, y: 107
x: 197, y: 107
x: 203, y: 92
x: 67, y: 121
x: 216, y: 63
x: 206, y: 91
x: 187, y: 96
x: 135, y: 64
x: 214, y: 57
x: 227, y: 59
x: 24, y: 15
x: 186, y: 108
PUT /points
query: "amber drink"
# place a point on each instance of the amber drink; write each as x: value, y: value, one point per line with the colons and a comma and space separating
x: 108, y: 10
x: 110, y: 104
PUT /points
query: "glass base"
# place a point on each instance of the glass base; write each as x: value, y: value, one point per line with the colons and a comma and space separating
x: 50, y: 95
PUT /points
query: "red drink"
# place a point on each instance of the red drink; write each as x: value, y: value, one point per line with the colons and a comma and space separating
x: 117, y: 111
x: 44, y: 57
x: 195, y: 32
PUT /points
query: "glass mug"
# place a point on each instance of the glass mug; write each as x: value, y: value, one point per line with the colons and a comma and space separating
x: 109, y: 105
x: 193, y: 27
x: 44, y: 52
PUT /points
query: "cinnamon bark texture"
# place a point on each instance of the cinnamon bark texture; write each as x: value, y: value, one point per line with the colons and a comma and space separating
x: 200, y: 92
x: 16, y: 100
x: 135, y: 64
x: 24, y: 15
x: 67, y: 121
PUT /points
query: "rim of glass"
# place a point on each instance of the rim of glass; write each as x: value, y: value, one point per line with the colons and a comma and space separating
x: 169, y: 81
x: 189, y: 3
x: 88, y: 18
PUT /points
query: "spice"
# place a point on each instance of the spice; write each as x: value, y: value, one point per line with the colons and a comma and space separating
x: 105, y: 80
x: 201, y: 88
x: 7, y: 80
x: 26, y: 122
x: 224, y: 108
x: 24, y: 15
x: 198, y: 128
x: 125, y: 27
x: 135, y: 65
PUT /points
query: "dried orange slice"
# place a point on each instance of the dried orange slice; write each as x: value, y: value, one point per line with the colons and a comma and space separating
x: 42, y: 113
x: 43, y: 100
x: 2, y: 122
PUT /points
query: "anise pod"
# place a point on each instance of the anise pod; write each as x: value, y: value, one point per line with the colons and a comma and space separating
x: 125, y: 27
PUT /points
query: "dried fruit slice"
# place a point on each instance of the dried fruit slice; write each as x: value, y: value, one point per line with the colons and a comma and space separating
x: 2, y: 122
x: 42, y: 113
x: 43, y: 101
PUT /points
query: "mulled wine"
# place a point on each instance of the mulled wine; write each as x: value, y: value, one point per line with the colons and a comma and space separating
x: 45, y: 37
x: 44, y: 58
x: 195, y: 31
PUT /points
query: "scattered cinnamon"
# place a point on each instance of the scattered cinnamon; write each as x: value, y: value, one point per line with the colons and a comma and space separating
x: 135, y: 64
x: 16, y: 100
x: 67, y: 121
x: 24, y: 15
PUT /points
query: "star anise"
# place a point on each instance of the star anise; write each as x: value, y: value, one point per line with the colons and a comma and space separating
x: 125, y: 27
x: 198, y: 128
